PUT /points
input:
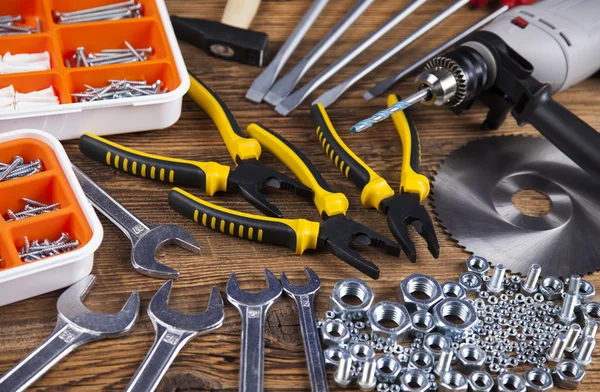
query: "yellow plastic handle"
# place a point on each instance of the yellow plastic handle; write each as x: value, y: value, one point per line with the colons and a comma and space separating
x: 326, y: 201
x: 240, y: 148
x: 410, y: 180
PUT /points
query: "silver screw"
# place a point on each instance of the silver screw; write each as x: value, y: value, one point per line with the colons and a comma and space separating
x: 574, y: 284
x: 496, y: 283
x: 557, y: 350
x: 584, y: 355
x: 94, y: 10
x: 530, y: 284
x: 572, y: 337
x: 16, y: 162
x: 567, y: 312
x: 590, y: 329
x: 343, y: 374
x: 133, y: 51
x: 367, y: 380
x: 444, y: 362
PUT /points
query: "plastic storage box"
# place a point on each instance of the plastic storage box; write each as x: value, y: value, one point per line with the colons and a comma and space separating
x: 70, y: 119
x: 55, y: 184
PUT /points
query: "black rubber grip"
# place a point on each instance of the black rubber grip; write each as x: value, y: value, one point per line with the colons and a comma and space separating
x: 415, y: 151
x: 231, y: 222
x: 352, y: 168
x: 144, y: 165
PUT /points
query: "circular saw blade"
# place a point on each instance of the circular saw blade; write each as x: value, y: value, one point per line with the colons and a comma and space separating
x: 472, y: 196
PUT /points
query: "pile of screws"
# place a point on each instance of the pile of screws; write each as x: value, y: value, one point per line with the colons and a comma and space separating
x: 508, y: 322
x: 18, y: 168
x: 125, y: 10
x: 7, y: 26
x: 118, y: 89
x: 37, y: 250
x: 109, y: 56
x: 32, y: 208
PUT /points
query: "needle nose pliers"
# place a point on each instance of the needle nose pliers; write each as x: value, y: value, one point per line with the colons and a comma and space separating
x: 335, y: 234
x: 402, y: 209
x: 248, y: 179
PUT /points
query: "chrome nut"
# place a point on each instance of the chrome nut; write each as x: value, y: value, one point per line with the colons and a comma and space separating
x: 414, y: 380
x: 334, y: 333
x: 450, y: 309
x: 510, y: 382
x: 420, y: 292
x: 351, y: 288
x: 478, y: 265
x: 360, y: 352
x: 551, y: 288
x: 454, y: 290
x: 538, y: 380
x: 394, y: 312
x: 470, y: 358
x: 387, y: 369
x: 421, y: 322
x: 471, y: 281
x: 481, y: 381
x: 589, y: 312
x: 333, y: 355
x: 435, y: 343
x: 453, y: 381
x: 568, y: 374
x: 587, y: 291
x: 421, y: 360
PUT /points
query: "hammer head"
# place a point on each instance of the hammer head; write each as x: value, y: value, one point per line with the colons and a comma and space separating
x: 211, y: 319
x: 238, y: 297
x: 143, y: 251
x: 223, y: 41
x: 73, y: 311
x: 313, y: 285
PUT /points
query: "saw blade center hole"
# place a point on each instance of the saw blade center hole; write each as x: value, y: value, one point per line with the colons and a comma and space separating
x: 532, y: 202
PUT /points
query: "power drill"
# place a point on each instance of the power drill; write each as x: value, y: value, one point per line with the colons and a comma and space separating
x: 516, y: 63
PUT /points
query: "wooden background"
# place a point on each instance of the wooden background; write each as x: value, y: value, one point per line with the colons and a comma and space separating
x: 211, y: 362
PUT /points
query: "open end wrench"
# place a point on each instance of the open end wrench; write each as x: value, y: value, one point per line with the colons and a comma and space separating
x: 304, y: 296
x: 145, y: 239
x: 253, y: 308
x: 173, y: 331
x: 76, y: 326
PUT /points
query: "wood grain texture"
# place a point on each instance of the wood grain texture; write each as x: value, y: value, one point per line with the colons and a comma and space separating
x: 211, y: 362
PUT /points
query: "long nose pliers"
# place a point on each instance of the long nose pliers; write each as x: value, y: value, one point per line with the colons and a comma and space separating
x: 335, y: 234
x: 248, y: 179
x: 402, y: 209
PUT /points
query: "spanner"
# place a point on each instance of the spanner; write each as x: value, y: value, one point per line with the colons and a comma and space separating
x: 173, y: 331
x: 76, y: 326
x: 304, y: 296
x: 146, y: 239
x: 253, y: 308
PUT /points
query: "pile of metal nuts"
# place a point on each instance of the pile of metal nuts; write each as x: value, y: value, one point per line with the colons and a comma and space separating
x: 466, y: 335
x: 7, y: 26
x: 118, y: 89
x: 124, y: 10
x: 109, y: 56
x: 36, y: 250
x: 32, y: 208
x: 18, y: 168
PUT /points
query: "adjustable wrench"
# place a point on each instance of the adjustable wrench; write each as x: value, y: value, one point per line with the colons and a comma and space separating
x: 173, y: 331
x: 253, y: 308
x: 76, y: 326
x: 304, y: 296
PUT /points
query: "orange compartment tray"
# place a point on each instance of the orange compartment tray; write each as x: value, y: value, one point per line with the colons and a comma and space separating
x: 61, y: 41
x: 49, y: 187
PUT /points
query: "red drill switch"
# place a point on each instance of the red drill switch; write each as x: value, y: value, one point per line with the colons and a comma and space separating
x: 520, y: 22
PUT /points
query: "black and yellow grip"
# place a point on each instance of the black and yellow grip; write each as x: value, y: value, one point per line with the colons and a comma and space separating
x: 240, y: 147
x: 297, y: 234
x: 327, y: 202
x: 373, y: 188
x: 208, y: 176
x: 411, y: 181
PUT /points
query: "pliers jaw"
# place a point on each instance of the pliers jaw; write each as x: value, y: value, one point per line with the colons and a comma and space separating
x: 338, y: 232
x: 404, y: 210
x: 251, y: 177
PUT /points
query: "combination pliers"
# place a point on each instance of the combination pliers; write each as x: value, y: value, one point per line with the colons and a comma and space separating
x: 402, y: 209
x: 335, y: 234
x: 248, y: 179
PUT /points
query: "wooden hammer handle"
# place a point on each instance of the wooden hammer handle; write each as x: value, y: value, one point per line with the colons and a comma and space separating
x: 240, y: 13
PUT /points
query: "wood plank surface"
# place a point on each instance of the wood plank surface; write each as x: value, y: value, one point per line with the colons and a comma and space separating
x: 211, y: 362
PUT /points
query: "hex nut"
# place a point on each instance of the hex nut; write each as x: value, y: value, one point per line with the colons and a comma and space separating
x: 334, y: 333
x: 414, y: 380
x: 421, y: 360
x: 351, y: 288
x: 453, y: 381
x: 449, y: 309
x: 420, y: 292
x: 510, y: 382
x: 568, y: 374
x: 421, y: 322
x: 478, y: 265
x: 589, y: 312
x: 390, y: 312
x: 360, y: 352
x: 434, y: 343
x: 454, y: 290
x: 471, y: 281
x: 538, y: 380
x: 551, y: 288
x: 387, y: 369
x: 470, y: 358
x: 587, y: 291
x: 481, y: 381
x: 332, y: 356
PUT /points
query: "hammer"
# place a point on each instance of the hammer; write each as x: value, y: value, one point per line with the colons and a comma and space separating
x: 229, y: 39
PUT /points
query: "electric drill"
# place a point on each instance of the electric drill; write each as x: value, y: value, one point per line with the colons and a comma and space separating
x: 514, y: 65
